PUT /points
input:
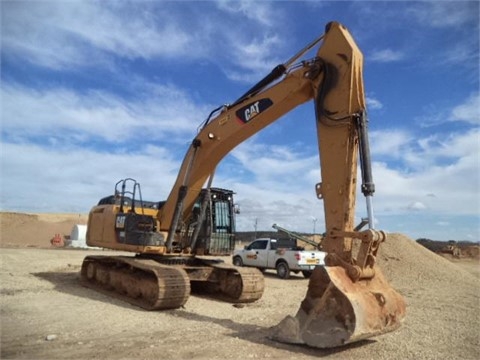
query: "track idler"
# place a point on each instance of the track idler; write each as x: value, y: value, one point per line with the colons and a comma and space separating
x: 337, y: 311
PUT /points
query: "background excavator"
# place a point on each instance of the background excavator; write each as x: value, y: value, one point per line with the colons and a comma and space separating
x: 348, y: 299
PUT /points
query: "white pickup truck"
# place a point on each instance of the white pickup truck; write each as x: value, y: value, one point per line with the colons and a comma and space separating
x: 284, y: 256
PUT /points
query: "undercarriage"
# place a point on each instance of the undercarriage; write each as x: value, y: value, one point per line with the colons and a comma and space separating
x: 165, y: 282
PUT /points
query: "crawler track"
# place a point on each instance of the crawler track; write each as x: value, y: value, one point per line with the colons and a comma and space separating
x: 239, y: 285
x: 158, y: 283
x: 141, y: 282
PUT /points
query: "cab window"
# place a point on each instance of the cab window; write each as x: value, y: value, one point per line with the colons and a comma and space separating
x: 258, y: 245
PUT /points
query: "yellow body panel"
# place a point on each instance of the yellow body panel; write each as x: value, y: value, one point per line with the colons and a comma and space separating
x: 101, y: 230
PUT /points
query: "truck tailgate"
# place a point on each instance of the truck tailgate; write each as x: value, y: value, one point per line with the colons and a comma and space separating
x: 311, y: 258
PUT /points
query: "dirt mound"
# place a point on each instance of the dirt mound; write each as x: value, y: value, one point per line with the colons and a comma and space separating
x: 35, y: 230
x: 404, y: 261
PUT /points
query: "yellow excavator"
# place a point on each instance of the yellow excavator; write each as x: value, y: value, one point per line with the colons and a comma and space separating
x: 348, y: 299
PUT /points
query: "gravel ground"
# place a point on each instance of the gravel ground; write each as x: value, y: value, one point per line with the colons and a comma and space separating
x: 46, y: 314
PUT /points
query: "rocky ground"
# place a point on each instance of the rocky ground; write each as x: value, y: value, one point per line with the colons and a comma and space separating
x: 46, y: 314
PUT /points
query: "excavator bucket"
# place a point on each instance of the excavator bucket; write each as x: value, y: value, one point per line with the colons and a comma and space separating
x: 337, y: 311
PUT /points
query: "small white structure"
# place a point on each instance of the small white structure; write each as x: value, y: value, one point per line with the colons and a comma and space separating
x: 78, y: 236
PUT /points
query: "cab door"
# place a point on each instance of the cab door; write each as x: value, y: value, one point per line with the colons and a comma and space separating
x: 256, y: 253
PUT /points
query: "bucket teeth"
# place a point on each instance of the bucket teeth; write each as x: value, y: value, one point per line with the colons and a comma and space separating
x: 337, y: 311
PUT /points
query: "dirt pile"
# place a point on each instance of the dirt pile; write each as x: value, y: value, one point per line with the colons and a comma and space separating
x: 441, y: 296
x: 404, y: 262
x: 35, y: 230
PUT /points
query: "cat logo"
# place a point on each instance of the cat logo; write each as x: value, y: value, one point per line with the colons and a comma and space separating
x: 250, y: 111
x: 120, y: 222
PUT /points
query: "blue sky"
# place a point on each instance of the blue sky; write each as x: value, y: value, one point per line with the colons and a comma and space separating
x: 95, y: 91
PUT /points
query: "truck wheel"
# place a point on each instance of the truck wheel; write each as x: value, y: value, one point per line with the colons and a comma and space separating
x: 283, y: 271
x: 307, y: 273
x: 237, y: 261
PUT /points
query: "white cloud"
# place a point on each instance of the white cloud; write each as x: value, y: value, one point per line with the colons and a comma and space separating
x: 71, y: 179
x: 291, y: 209
x: 386, y: 55
x: 261, y: 12
x: 461, y: 20
x: 373, y: 103
x: 389, y: 142
x: 254, y: 56
x: 67, y: 178
x: 276, y: 185
x: 441, y: 14
x: 456, y: 145
x: 69, y: 34
x: 469, y: 111
x: 450, y: 170
x: 429, y: 33
x: 416, y: 206
x: 62, y: 113
x: 281, y: 189
x: 274, y: 163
